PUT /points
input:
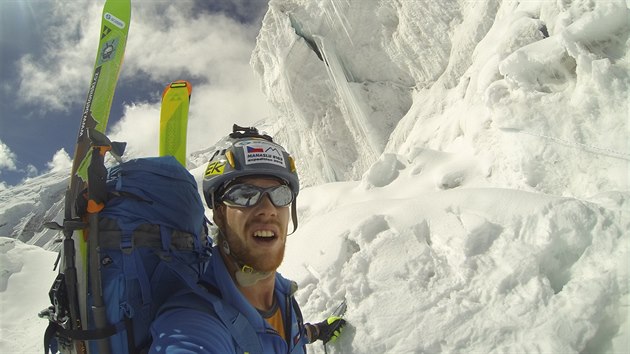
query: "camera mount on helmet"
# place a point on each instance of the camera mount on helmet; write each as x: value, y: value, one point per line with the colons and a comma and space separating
x: 239, y: 132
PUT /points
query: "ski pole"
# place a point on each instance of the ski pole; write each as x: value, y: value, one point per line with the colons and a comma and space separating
x: 97, y: 195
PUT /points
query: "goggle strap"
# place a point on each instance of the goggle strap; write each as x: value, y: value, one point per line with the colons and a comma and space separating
x: 294, y: 215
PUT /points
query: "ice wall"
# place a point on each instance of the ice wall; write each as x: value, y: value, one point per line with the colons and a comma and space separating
x: 326, y: 73
x: 548, y: 79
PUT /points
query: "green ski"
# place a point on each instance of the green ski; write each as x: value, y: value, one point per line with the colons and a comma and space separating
x: 174, y: 120
x: 69, y: 312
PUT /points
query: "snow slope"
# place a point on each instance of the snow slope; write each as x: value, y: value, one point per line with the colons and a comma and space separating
x: 470, y: 269
x: 26, y: 274
x: 25, y: 207
x: 466, y: 173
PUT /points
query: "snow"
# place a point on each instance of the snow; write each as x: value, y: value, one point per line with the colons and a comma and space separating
x: 469, y: 270
x: 25, y: 206
x: 465, y: 169
x: 26, y: 274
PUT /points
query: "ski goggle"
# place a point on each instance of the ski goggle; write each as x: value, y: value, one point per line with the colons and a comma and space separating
x: 247, y: 195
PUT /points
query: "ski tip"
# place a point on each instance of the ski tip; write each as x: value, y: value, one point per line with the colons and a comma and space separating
x: 178, y: 84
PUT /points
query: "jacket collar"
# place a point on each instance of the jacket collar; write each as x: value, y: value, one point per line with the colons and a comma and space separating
x: 217, y: 274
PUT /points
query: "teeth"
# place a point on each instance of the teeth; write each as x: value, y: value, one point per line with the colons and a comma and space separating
x: 264, y: 233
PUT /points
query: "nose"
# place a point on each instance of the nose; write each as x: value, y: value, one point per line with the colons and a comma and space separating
x: 266, y: 207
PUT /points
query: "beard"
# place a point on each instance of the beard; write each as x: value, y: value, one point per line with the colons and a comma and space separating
x: 248, y: 254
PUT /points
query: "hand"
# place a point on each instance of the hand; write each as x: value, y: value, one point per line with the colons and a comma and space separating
x: 330, y: 329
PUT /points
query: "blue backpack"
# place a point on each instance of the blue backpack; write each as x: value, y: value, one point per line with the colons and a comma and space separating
x: 153, y: 248
x: 153, y: 243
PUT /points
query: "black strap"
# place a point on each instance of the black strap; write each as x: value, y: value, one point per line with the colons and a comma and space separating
x: 92, y: 334
x: 54, y: 329
x: 48, y: 335
x: 211, y: 289
x: 131, y: 345
x: 239, y: 132
x: 144, y: 235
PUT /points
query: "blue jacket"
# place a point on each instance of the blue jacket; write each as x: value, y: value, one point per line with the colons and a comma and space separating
x: 197, y: 330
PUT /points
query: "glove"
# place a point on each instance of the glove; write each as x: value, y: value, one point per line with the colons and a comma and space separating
x: 330, y: 329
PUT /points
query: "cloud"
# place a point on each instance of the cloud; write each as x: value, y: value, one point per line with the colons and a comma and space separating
x: 7, y: 158
x: 214, y: 110
x: 210, y: 50
x: 31, y: 171
x: 167, y: 41
x: 49, y: 81
x: 139, y: 128
x: 249, y: 11
x: 61, y: 161
x: 9, y: 162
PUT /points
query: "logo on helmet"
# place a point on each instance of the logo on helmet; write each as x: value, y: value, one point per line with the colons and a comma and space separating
x: 263, y: 152
x: 215, y: 168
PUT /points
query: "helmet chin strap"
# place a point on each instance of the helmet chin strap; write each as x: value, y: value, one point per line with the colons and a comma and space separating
x: 245, y: 275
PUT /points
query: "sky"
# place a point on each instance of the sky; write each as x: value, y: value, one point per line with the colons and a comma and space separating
x: 47, y: 52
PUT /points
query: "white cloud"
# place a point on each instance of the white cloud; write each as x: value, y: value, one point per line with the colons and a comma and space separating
x: 59, y: 77
x: 211, y: 47
x: 214, y: 110
x: 7, y: 158
x: 61, y: 161
x: 31, y: 171
x: 139, y: 128
x: 167, y: 42
x: 214, y: 50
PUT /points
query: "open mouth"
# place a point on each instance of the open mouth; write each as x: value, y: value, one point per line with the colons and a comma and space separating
x: 264, y: 236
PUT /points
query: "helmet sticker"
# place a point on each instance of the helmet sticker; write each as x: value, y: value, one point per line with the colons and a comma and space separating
x: 263, y: 152
x: 215, y: 168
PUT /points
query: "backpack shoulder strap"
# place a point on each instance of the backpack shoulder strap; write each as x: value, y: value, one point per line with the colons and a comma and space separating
x: 211, y: 302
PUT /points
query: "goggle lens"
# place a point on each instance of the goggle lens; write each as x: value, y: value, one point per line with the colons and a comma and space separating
x: 247, y: 195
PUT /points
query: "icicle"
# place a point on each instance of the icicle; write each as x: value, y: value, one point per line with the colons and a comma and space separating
x: 359, y: 125
x: 342, y: 20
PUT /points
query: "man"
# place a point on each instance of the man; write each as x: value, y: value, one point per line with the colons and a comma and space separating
x: 242, y: 304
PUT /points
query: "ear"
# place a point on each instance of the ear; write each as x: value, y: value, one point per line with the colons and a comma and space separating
x: 218, y: 216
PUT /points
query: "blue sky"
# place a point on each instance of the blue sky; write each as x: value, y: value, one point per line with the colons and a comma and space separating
x: 47, y: 51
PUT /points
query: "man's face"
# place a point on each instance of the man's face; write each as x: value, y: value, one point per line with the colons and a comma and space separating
x: 257, y: 235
